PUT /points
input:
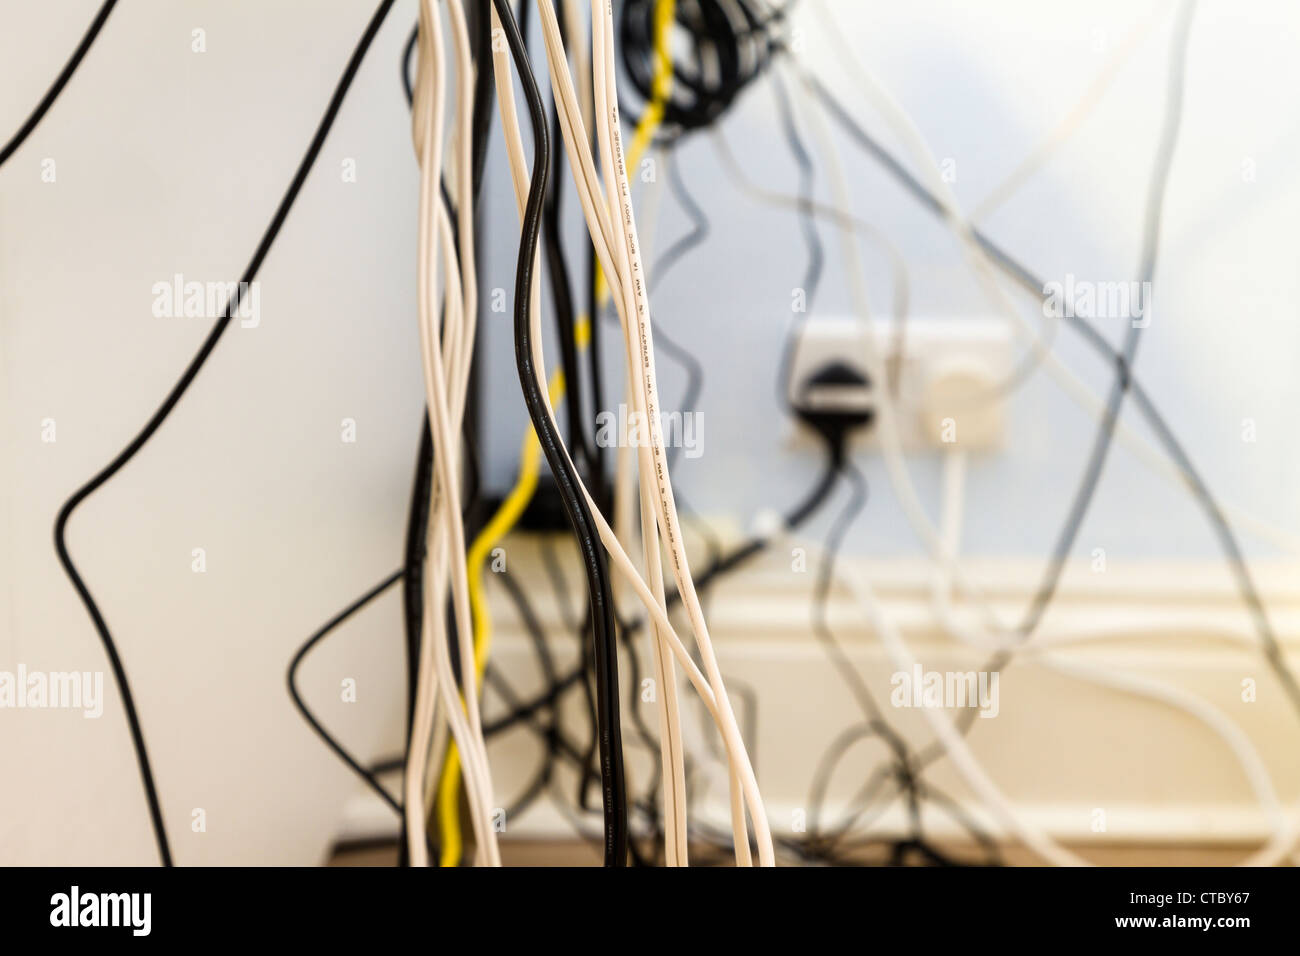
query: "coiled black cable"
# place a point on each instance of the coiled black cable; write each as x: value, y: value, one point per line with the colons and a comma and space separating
x: 724, y: 57
x: 169, y: 403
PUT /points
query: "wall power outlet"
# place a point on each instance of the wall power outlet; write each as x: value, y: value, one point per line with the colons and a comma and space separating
x: 948, y: 372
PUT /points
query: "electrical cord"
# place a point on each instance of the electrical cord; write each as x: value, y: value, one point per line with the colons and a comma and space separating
x: 418, y: 515
x: 59, y: 83
x: 444, y: 697
x: 683, y: 246
x: 566, y: 319
x: 699, y: 233
x: 340, y: 751
x: 169, y: 403
x: 614, y: 787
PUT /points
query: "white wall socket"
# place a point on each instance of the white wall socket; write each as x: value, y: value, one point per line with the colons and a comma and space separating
x: 949, y: 371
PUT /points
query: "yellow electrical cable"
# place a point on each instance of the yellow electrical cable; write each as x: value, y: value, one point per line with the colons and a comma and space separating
x: 505, y: 518
x: 516, y: 503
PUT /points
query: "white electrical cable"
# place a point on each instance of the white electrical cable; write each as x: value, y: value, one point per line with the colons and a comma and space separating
x: 446, y: 369
x: 653, y: 456
x: 672, y: 748
x: 672, y: 744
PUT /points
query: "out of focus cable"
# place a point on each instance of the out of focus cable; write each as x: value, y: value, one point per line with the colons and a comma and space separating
x: 59, y: 83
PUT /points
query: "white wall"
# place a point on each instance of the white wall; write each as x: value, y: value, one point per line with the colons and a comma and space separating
x: 170, y: 161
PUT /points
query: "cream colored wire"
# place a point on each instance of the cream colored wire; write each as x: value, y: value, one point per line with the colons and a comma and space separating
x: 672, y: 747
x: 628, y: 258
x: 426, y: 114
x: 446, y: 372
x: 671, y: 742
x: 674, y: 798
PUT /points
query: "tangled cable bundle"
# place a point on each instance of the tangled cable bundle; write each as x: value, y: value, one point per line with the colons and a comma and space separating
x: 732, y: 43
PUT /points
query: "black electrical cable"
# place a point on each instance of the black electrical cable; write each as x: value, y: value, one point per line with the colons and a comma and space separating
x: 408, y: 52
x: 59, y: 83
x: 417, y: 524
x: 342, y: 752
x: 807, y: 175
x: 552, y: 733
x: 174, y: 396
x: 719, y: 566
x: 526, y: 709
x: 807, y: 223
x: 614, y: 786
x: 700, y: 228
x: 369, y: 775
x: 874, y: 716
x: 562, y: 289
x: 793, y: 519
x: 701, y: 225
x: 819, y: 841
x: 905, y: 765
